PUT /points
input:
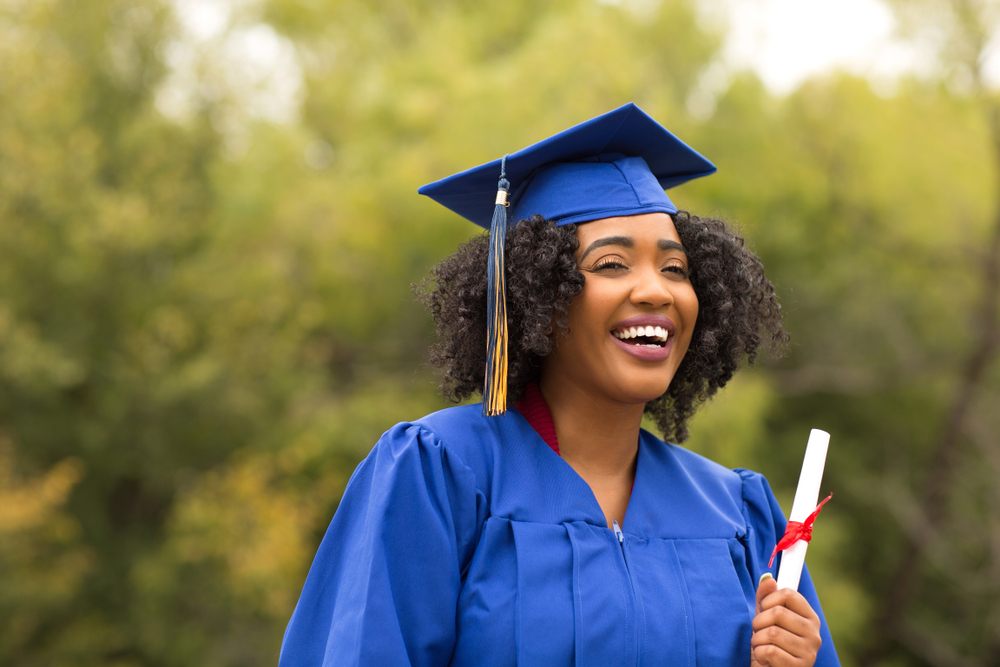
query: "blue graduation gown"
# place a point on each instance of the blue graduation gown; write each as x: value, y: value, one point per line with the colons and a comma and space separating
x: 466, y: 540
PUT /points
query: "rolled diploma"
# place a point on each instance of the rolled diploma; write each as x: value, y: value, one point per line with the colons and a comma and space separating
x: 806, y: 497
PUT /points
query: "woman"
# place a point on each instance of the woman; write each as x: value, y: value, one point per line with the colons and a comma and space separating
x: 558, y: 531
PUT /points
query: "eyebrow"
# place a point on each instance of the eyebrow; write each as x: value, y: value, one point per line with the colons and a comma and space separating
x: 627, y: 242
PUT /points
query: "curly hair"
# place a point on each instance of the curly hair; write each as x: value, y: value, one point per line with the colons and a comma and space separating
x: 738, y: 311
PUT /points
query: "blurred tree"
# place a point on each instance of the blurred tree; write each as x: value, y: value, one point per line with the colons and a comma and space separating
x: 875, y: 214
x: 949, y: 550
x: 867, y: 210
x: 39, y: 551
x: 122, y: 344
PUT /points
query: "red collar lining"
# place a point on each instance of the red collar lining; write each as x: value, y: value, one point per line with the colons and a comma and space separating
x: 536, y: 411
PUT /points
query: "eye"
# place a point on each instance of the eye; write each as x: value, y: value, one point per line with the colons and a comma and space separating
x: 677, y: 269
x: 608, y: 265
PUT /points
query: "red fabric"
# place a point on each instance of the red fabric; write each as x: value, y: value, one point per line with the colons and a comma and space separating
x: 536, y: 411
x: 796, y: 531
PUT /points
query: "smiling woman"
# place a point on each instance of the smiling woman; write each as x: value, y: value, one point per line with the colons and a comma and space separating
x: 635, y: 283
x: 558, y: 531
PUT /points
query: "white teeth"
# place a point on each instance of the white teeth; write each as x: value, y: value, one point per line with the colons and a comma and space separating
x: 649, y: 332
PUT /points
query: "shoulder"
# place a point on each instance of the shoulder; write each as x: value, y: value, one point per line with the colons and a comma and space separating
x: 462, y: 435
x: 761, y: 507
x: 700, y: 470
x: 732, y: 491
x: 740, y: 482
x: 460, y: 424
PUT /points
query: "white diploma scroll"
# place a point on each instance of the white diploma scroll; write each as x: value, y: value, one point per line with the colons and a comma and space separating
x: 806, y: 497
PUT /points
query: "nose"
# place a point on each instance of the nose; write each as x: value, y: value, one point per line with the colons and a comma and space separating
x: 651, y: 288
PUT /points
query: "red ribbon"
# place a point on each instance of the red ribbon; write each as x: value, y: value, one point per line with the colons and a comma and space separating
x: 796, y: 531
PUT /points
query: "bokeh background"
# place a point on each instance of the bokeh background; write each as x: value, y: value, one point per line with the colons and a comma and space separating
x: 209, y: 232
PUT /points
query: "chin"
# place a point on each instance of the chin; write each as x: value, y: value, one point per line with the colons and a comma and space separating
x: 643, y: 392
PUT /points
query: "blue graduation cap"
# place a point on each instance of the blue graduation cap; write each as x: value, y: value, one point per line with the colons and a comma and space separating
x: 616, y: 164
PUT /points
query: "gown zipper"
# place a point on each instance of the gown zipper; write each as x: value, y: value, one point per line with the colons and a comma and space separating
x: 620, y: 536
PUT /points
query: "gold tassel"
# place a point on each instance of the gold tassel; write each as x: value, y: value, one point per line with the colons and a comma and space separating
x: 495, y: 385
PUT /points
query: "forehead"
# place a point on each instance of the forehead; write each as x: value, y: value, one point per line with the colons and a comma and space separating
x: 647, y: 227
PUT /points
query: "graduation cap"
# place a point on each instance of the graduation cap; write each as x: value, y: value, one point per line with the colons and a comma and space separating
x: 616, y: 164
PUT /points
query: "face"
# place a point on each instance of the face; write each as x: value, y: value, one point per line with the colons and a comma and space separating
x: 631, y: 325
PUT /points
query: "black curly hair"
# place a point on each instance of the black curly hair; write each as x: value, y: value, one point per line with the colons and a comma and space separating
x: 738, y: 311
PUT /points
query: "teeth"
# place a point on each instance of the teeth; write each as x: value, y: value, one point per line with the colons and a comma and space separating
x: 649, y: 332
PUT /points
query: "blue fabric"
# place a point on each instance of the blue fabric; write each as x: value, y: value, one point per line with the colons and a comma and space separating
x: 618, y: 163
x: 603, y: 187
x: 466, y: 540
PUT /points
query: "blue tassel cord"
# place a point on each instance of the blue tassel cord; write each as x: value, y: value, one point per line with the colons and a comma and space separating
x: 495, y: 386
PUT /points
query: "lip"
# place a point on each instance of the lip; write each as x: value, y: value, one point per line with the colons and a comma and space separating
x: 646, y: 353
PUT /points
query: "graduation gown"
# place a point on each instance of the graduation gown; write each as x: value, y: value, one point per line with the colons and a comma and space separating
x: 466, y: 540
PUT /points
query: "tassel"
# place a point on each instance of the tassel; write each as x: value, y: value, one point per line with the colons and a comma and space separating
x: 495, y: 385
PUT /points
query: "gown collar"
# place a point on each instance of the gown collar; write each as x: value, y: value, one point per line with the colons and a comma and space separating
x: 535, y: 411
x: 675, y: 493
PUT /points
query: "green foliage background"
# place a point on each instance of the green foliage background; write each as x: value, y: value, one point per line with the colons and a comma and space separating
x: 206, y: 320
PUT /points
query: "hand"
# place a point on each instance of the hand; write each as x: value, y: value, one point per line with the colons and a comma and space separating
x: 785, y: 629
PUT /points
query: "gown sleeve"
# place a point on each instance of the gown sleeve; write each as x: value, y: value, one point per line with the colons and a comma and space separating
x: 765, y: 525
x: 383, y: 587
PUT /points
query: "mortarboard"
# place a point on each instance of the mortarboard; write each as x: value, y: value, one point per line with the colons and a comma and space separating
x: 616, y: 164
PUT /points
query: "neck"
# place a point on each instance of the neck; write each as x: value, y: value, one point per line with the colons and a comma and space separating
x: 596, y: 435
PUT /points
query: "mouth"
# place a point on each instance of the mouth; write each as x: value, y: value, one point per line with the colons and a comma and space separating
x: 647, y: 338
x: 643, y: 336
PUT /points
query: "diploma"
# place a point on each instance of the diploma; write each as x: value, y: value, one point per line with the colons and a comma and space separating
x: 806, y: 496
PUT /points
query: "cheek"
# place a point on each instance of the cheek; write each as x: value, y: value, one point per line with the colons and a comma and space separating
x: 687, y: 303
x: 687, y: 307
x: 583, y: 306
x: 694, y: 307
x: 587, y: 316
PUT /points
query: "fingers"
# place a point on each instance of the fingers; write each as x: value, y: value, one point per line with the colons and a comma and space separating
x: 792, y: 600
x: 775, y: 637
x: 765, y: 587
x: 783, y: 617
x: 786, y: 630
x: 773, y: 656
